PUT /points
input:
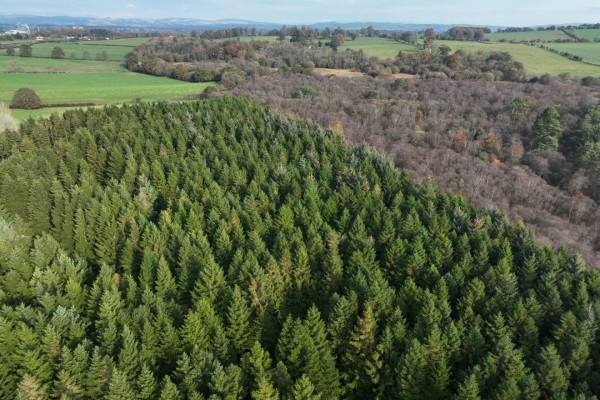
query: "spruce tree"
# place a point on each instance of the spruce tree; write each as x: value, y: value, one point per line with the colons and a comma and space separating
x: 120, y: 387
x: 129, y: 363
x: 146, y: 384
x: 551, y: 375
x: 469, y: 389
x: 169, y: 390
x: 547, y: 129
x: 265, y: 391
x: 304, y: 390
x: 239, y: 329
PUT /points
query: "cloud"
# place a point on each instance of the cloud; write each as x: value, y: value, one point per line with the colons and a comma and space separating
x: 130, y: 5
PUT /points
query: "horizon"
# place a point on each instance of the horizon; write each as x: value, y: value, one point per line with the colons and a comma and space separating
x: 462, y: 12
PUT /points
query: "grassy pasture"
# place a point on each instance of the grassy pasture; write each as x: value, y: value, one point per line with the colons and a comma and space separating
x: 251, y: 38
x: 74, y: 82
x: 97, y: 88
x: 374, y: 46
x: 544, y: 36
x: 589, y: 52
x: 51, y: 66
x: 535, y: 60
x: 115, y: 49
x: 130, y: 42
x: 589, y: 34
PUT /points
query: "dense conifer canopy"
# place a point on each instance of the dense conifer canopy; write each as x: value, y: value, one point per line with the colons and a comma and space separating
x: 221, y: 250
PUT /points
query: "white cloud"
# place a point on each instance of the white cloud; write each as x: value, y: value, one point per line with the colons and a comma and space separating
x: 132, y: 6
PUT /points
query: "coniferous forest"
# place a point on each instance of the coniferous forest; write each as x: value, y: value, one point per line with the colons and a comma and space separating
x: 223, y: 250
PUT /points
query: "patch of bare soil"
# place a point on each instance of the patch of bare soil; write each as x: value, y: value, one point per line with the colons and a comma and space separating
x: 405, y: 76
x: 339, y: 73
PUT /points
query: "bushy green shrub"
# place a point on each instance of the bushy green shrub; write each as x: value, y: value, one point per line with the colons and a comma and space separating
x: 304, y: 91
x: 204, y: 75
x: 371, y: 94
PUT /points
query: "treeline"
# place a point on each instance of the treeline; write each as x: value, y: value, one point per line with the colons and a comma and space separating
x: 465, y: 33
x: 472, y: 137
x: 178, y: 57
x: 549, y: 28
x: 222, y: 250
x: 79, y: 33
x: 561, y: 53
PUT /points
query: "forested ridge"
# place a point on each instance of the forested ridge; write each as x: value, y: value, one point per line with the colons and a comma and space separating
x: 453, y: 121
x: 479, y: 139
x: 222, y: 250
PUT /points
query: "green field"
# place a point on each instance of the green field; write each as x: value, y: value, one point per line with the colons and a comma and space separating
x: 130, y: 42
x: 544, y: 36
x: 251, y: 38
x: 374, y: 46
x: 48, y: 65
x: 589, y: 34
x: 589, y: 52
x: 72, y: 82
x: 41, y: 113
x: 97, y: 88
x: 536, y: 61
x: 115, y: 49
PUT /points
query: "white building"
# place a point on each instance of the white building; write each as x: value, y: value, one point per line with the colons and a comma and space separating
x: 16, y: 31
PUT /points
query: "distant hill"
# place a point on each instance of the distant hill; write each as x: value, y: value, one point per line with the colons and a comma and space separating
x: 200, y: 24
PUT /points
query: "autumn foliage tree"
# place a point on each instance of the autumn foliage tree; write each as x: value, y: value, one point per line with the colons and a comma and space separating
x: 26, y: 98
x: 57, y: 52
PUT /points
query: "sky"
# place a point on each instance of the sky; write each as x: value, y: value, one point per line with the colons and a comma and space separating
x: 484, y: 12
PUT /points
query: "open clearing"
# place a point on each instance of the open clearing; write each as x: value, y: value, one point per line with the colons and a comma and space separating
x: 374, y: 46
x: 339, y: 73
x: 405, y: 76
x: 251, y: 38
x: 348, y: 73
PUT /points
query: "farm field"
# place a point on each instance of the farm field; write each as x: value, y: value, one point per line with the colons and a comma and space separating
x: 535, y: 60
x: 251, y: 38
x: 589, y: 52
x: 115, y: 49
x: 52, y: 66
x: 374, y: 46
x: 97, y: 88
x: 543, y: 36
x: 74, y: 82
x: 589, y: 34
